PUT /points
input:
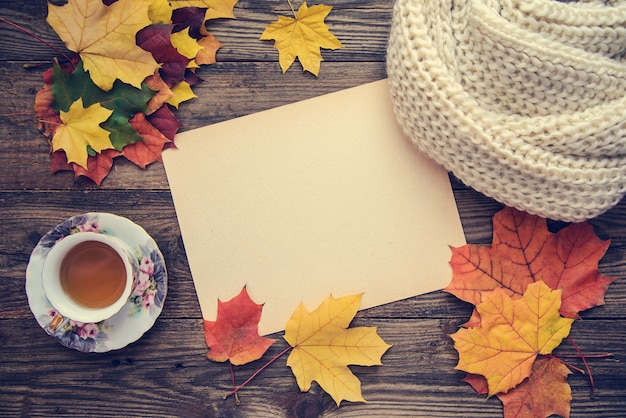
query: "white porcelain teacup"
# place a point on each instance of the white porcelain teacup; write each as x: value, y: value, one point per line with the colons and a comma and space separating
x: 88, y: 277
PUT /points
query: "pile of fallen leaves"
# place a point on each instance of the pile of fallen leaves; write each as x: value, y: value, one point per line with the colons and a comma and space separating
x: 321, y: 343
x: 131, y: 61
x: 527, y: 288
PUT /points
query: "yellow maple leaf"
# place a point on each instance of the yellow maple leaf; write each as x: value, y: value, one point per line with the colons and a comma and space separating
x: 511, y: 335
x: 215, y: 8
x: 80, y: 128
x: 104, y: 37
x: 323, y: 347
x: 182, y: 92
x: 160, y: 11
x: 302, y: 37
x: 185, y: 44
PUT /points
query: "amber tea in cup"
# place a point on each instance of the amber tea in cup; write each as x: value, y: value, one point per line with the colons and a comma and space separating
x: 93, y: 274
x: 88, y: 276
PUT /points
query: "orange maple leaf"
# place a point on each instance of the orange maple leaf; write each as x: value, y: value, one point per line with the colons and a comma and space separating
x: 145, y: 152
x: 545, y: 393
x: 48, y: 118
x: 511, y: 335
x: 98, y: 166
x: 523, y: 251
x: 234, y: 335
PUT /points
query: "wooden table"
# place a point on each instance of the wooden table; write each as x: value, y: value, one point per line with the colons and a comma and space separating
x: 166, y: 373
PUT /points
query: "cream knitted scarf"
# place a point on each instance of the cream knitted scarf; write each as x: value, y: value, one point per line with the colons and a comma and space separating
x: 523, y: 100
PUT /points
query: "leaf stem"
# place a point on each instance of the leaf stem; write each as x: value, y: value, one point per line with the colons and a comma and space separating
x: 50, y: 122
x: 29, y: 33
x: 568, y: 364
x: 273, y: 359
x: 582, y: 356
x: 292, y: 9
x: 232, y: 375
x: 603, y: 355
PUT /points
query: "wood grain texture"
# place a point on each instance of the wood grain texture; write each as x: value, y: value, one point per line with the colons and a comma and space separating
x: 166, y: 373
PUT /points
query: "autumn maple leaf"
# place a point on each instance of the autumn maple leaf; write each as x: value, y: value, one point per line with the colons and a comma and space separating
x: 209, y: 45
x: 123, y: 99
x: 234, y: 334
x: 302, y: 37
x: 522, y: 252
x: 545, y: 393
x: 323, y: 347
x: 513, y: 332
x: 104, y: 37
x: 48, y: 118
x: 165, y: 121
x: 149, y: 150
x: 80, y: 129
x: 157, y: 40
x: 98, y: 166
x: 215, y: 8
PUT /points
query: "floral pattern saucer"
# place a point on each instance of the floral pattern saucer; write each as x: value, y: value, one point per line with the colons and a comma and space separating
x: 142, y: 308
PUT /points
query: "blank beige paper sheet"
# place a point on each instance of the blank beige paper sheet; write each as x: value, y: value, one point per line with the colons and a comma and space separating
x: 324, y: 196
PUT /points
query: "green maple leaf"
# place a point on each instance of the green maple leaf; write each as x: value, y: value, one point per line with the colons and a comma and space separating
x: 123, y: 99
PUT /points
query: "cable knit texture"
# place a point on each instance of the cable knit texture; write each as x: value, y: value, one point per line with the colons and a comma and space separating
x: 523, y: 100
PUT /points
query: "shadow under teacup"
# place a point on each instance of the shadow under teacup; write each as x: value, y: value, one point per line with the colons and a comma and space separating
x: 88, y: 277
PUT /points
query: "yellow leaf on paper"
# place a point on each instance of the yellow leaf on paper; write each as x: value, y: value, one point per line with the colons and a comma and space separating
x: 511, y: 334
x: 302, y: 37
x: 81, y: 127
x: 215, y: 8
x: 323, y: 347
x: 182, y: 92
x: 104, y: 36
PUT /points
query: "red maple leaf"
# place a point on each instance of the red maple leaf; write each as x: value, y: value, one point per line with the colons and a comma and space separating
x: 578, y: 251
x: 523, y: 251
x: 98, y: 166
x: 156, y: 40
x: 234, y: 335
x: 165, y: 121
x: 478, y: 382
x: 190, y: 17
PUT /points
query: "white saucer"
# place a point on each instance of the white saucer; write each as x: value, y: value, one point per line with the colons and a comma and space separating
x: 143, y: 306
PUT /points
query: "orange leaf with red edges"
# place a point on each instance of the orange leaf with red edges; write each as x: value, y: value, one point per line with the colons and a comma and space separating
x: 522, y: 252
x: 149, y: 150
x: 234, y: 335
x: 513, y: 332
x: 98, y: 166
x: 577, y: 251
x: 545, y: 393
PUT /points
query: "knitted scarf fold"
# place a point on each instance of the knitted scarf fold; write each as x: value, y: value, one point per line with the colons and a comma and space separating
x: 523, y: 100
